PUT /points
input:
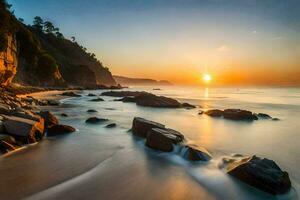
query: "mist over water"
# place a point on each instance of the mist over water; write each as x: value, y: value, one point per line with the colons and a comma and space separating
x: 113, y: 164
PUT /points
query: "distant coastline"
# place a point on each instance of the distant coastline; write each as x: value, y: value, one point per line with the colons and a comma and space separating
x: 127, y: 81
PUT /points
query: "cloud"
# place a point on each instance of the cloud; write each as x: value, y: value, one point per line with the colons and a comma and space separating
x: 223, y: 48
x: 254, y: 32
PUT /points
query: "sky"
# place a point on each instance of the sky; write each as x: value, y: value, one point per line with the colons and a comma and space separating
x: 238, y: 42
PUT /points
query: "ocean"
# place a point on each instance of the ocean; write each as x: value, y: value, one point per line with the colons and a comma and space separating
x: 100, y: 163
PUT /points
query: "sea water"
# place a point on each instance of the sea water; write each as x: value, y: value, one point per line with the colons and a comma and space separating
x: 129, y: 170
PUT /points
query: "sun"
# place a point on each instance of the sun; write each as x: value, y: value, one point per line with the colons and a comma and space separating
x: 206, y: 78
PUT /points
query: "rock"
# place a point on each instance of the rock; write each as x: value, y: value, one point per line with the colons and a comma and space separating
x: 64, y: 115
x: 27, y: 115
x: 238, y: 114
x: 126, y: 99
x: 141, y: 126
x: 195, y: 153
x: 4, y: 109
x: 112, y: 125
x: 97, y: 99
x: 263, y: 174
x: 156, y: 89
x: 50, y: 119
x: 200, y: 112
x: 7, y: 143
x: 91, y: 111
x: 163, y: 139
x: 123, y: 93
x: 2, y: 130
x: 91, y: 95
x: 71, y: 94
x: 150, y: 100
x: 60, y: 129
x: 25, y: 130
x: 94, y: 120
x: 214, y: 113
x: 187, y: 106
x: 275, y: 119
x: 263, y: 115
x: 53, y: 103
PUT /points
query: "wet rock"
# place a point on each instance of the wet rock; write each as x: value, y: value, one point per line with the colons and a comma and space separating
x: 200, y: 112
x: 71, y: 94
x: 64, y: 115
x: 53, y: 102
x: 91, y: 95
x: 195, y: 153
x: 141, y: 126
x: 263, y: 115
x: 188, y: 106
x: 112, y: 125
x: 97, y: 99
x: 4, y: 109
x: 50, y: 119
x: 263, y: 174
x: 7, y: 143
x: 123, y: 93
x: 275, y: 119
x: 25, y: 130
x: 151, y: 100
x: 214, y: 113
x: 95, y: 120
x: 238, y: 114
x: 91, y: 111
x: 163, y: 139
x: 60, y: 130
x: 127, y: 99
x: 26, y: 115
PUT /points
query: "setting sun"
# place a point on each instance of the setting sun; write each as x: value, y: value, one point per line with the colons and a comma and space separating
x: 206, y: 78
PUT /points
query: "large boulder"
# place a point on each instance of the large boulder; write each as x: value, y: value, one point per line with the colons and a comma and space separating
x: 127, y: 99
x: 163, y: 139
x: 26, y: 115
x: 50, y: 119
x: 59, y: 130
x: 150, y: 100
x: 141, y: 126
x: 263, y: 174
x: 25, y: 130
x: 187, y: 106
x: 195, y: 153
x: 238, y: 114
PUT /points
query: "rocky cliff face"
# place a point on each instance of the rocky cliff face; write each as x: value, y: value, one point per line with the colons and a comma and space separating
x: 8, y: 61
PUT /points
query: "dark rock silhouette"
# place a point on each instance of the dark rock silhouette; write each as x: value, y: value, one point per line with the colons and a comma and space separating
x: 95, y: 120
x: 141, y: 126
x: 195, y: 153
x: 60, y: 129
x: 112, y: 125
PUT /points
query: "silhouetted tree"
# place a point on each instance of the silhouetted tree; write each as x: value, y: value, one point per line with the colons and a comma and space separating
x: 38, y: 23
x: 73, y: 39
x: 59, y: 35
x: 21, y: 20
x: 48, y: 27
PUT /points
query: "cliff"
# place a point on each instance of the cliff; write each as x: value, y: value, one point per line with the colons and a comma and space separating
x: 37, y: 56
x: 139, y: 81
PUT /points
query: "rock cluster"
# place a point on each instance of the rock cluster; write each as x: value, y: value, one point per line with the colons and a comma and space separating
x: 147, y: 99
x: 160, y: 138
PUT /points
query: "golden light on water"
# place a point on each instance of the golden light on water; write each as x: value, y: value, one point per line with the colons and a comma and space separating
x: 206, y: 78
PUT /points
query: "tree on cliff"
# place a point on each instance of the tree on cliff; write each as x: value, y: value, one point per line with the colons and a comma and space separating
x: 48, y: 27
x: 38, y: 23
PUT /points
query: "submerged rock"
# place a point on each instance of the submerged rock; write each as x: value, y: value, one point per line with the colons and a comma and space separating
x: 214, y: 113
x: 25, y: 130
x: 71, y: 94
x: 91, y: 95
x: 263, y: 115
x: 238, y: 114
x: 163, y: 139
x: 91, y: 111
x: 94, y: 120
x: 64, y: 115
x: 188, y: 106
x: 261, y: 173
x: 112, y: 125
x: 97, y: 99
x: 141, y: 126
x: 195, y: 153
x: 60, y: 129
